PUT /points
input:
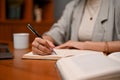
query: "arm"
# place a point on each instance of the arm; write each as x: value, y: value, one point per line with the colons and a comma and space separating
x: 55, y: 35
x: 59, y: 30
x: 108, y: 47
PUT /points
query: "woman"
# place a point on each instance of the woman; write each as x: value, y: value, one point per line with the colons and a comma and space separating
x: 84, y: 25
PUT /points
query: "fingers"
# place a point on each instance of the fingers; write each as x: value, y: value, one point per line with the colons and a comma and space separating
x: 41, y: 46
x: 40, y: 52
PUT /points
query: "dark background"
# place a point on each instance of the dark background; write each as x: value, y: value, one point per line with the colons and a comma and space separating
x: 59, y: 7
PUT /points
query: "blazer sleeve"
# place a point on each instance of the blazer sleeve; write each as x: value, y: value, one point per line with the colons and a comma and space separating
x: 58, y: 30
x: 117, y: 18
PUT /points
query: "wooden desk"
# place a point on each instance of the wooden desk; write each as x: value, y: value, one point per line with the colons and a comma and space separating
x: 19, y: 69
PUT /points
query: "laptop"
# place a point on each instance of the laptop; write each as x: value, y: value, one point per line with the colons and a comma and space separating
x: 5, y: 52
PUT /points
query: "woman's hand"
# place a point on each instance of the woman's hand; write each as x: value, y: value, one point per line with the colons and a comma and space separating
x: 72, y: 44
x: 42, y: 46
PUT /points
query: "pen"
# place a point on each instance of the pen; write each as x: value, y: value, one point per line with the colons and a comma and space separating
x: 33, y: 30
x: 29, y: 26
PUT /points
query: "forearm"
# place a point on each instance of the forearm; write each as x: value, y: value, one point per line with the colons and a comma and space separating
x: 112, y: 46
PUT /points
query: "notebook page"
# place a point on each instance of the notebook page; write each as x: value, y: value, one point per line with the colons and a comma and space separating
x: 115, y: 56
x: 72, y: 52
x: 89, y: 66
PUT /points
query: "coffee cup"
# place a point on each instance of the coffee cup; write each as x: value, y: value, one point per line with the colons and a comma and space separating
x: 21, y: 40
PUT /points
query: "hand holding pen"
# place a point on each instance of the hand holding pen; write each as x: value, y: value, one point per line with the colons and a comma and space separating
x: 40, y: 45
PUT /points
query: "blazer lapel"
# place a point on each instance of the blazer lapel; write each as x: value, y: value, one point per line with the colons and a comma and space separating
x: 103, y: 15
x: 79, y: 10
x: 98, y: 32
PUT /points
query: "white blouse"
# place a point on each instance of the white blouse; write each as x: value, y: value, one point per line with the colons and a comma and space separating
x: 88, y: 21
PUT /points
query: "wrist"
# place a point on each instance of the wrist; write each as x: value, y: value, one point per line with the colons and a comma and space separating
x: 106, y: 48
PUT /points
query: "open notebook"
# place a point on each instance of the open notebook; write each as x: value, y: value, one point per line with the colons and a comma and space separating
x: 90, y: 67
x: 60, y: 53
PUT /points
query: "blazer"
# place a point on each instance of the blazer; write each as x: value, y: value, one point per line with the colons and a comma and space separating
x: 107, y: 25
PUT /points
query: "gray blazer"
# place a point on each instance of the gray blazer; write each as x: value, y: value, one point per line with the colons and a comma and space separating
x: 107, y: 26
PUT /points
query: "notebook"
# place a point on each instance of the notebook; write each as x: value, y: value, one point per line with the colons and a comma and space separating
x: 92, y: 66
x: 5, y: 52
x: 60, y: 53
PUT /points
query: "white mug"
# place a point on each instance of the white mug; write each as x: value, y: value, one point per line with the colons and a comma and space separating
x: 21, y: 40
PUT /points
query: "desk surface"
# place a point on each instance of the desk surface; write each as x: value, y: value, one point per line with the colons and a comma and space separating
x: 19, y: 69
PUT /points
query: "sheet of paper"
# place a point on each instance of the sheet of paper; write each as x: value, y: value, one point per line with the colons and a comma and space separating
x: 60, y: 53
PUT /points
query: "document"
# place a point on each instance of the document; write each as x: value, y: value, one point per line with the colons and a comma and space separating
x: 60, y: 53
x: 92, y: 66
